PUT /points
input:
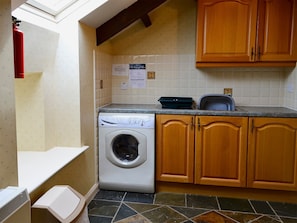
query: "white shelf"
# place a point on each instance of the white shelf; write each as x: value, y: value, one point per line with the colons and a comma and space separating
x: 36, y: 167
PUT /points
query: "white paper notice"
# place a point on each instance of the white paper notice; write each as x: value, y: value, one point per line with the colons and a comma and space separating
x: 120, y: 69
x: 137, y: 75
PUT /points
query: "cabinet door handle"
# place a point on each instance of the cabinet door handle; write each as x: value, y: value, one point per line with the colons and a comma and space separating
x: 193, y: 122
x: 199, y: 124
x: 252, y: 54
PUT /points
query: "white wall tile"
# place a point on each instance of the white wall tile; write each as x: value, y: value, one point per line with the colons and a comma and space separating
x: 172, y: 79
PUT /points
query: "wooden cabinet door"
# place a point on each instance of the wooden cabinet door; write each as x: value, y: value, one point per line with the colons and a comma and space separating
x: 277, y: 30
x: 175, y: 148
x: 221, y: 147
x: 272, y: 155
x: 226, y: 30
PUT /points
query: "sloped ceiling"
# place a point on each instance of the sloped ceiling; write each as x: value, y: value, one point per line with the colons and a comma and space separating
x: 16, y: 3
x: 108, y: 25
x: 99, y: 15
x: 114, y: 15
x: 105, y: 12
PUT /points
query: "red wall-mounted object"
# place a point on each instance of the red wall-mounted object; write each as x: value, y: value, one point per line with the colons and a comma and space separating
x: 18, y: 45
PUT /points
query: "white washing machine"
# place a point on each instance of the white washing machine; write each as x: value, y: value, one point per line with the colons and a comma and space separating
x: 127, y: 152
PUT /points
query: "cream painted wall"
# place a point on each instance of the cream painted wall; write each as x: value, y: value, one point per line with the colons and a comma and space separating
x: 8, y: 143
x: 168, y: 48
x: 87, y: 39
x: 30, y: 117
x: 16, y: 3
x: 35, y: 106
x: 58, y: 82
x: 50, y: 86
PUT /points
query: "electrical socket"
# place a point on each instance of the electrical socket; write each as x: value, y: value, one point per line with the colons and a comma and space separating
x: 228, y: 91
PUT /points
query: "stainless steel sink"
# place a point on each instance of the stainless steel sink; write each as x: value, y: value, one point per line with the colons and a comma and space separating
x: 216, y: 102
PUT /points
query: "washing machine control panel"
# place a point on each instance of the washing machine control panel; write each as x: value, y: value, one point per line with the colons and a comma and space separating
x: 126, y: 120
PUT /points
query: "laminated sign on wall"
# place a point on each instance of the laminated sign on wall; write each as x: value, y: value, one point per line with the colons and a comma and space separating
x: 120, y: 69
x: 137, y: 75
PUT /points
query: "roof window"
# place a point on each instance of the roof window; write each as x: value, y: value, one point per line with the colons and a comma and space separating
x: 52, y: 7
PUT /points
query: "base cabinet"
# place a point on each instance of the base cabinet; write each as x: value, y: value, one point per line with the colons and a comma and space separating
x: 220, y: 151
x: 175, y: 148
x: 255, y: 152
x: 272, y: 154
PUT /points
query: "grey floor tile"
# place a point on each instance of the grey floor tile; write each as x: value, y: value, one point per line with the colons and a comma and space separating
x: 103, y: 208
x: 164, y: 215
x: 124, y: 212
x: 134, y: 219
x: 266, y: 219
x: 289, y: 220
x: 189, y: 212
x: 139, y: 197
x: 170, y: 199
x: 262, y: 207
x: 235, y: 204
x: 198, y: 201
x: 98, y: 219
x: 141, y: 207
x: 110, y: 195
x: 284, y: 209
x: 240, y: 216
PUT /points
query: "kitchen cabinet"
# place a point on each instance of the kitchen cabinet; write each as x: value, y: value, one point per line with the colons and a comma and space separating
x: 246, y: 33
x: 175, y: 148
x: 272, y: 155
x: 253, y: 152
x: 220, y: 151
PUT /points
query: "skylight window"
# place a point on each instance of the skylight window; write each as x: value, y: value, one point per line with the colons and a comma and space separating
x: 53, y: 7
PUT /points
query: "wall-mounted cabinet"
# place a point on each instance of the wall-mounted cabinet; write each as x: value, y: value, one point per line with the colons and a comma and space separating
x: 246, y: 33
x: 229, y: 151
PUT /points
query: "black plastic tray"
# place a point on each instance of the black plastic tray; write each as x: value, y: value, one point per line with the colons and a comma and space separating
x: 176, y: 102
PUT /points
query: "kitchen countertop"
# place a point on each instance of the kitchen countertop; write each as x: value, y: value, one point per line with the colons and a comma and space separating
x: 248, y: 111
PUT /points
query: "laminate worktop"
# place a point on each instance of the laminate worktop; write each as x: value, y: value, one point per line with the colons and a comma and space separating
x: 247, y: 111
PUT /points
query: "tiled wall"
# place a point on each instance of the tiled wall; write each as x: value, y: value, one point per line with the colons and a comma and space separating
x: 168, y: 48
x: 103, y: 78
x: 176, y: 75
x: 290, y: 96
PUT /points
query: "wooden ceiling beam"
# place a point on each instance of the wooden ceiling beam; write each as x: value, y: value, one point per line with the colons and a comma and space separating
x: 138, y: 10
x: 146, y: 20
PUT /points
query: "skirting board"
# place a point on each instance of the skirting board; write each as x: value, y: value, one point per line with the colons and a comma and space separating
x: 91, y: 193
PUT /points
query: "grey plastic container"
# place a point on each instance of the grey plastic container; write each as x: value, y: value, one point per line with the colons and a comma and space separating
x: 216, y: 102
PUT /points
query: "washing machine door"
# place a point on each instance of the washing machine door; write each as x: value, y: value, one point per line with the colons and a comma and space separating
x: 126, y: 148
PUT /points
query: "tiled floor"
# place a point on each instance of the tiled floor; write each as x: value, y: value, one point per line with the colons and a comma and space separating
x: 128, y: 207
